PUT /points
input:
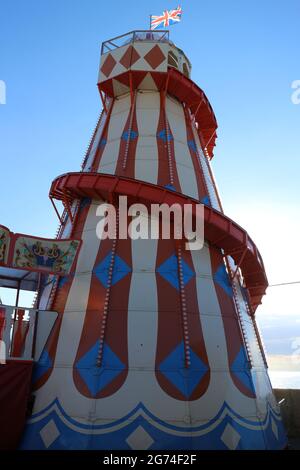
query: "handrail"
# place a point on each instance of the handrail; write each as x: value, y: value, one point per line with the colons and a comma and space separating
x: 136, y: 35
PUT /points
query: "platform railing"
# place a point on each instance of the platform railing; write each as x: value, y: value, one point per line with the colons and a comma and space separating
x: 133, y: 36
x: 24, y: 332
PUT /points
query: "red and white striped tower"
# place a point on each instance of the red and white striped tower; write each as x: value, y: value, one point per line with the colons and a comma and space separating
x: 155, y: 346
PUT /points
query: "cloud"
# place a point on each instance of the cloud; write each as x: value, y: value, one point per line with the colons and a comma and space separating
x: 284, y: 362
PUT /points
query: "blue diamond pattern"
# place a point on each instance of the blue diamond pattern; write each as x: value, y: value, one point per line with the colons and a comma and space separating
x: 185, y: 380
x: 42, y: 366
x: 163, y: 136
x: 169, y: 271
x: 240, y: 368
x: 120, y: 270
x: 97, y: 378
x: 221, y: 277
x: 171, y: 187
x: 63, y: 280
x: 85, y: 202
x: 205, y: 200
x: 132, y: 135
x: 192, y: 145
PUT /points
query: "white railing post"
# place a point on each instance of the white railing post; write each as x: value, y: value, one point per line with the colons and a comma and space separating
x: 7, y: 329
x: 27, y: 354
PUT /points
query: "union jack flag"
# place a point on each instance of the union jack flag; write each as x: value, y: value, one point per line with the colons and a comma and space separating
x: 168, y: 18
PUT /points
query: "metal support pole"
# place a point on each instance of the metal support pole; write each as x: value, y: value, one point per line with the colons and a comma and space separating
x: 55, y: 208
x: 36, y: 318
x: 103, y: 101
x: 15, y: 316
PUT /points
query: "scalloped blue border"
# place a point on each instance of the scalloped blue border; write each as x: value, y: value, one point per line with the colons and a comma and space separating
x: 69, y: 439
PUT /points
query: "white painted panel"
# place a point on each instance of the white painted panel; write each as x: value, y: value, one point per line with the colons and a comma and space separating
x: 142, y: 308
x: 62, y: 388
x: 209, y: 307
x: 119, y: 88
x: 46, y: 320
x: 263, y: 390
x: 122, y: 104
x: 222, y: 387
x: 143, y: 48
x: 187, y: 179
x: 117, y: 54
x: 146, y: 159
x: 182, y: 154
x: 92, y: 219
x: 116, y: 126
x: 216, y: 346
x: 175, y: 112
x: 117, y: 122
x: 148, y: 100
x: 184, y: 164
x: 109, y: 158
x: 141, y: 383
x: 148, y: 83
x: 74, y: 314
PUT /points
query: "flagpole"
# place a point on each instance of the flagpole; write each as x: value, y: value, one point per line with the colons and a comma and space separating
x: 150, y: 22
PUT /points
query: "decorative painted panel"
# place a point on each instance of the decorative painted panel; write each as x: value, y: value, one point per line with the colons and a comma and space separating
x: 4, y: 244
x: 40, y: 254
x: 144, y: 56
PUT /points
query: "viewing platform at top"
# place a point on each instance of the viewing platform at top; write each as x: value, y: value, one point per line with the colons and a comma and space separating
x: 144, y: 39
x: 149, y: 61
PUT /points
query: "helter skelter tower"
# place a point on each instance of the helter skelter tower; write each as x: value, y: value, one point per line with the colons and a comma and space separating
x: 155, y: 346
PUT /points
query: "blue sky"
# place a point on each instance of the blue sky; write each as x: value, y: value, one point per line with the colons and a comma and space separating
x: 245, y: 55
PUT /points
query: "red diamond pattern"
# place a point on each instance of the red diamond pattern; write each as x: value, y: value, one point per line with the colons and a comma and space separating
x: 130, y: 57
x: 155, y: 57
x: 108, y: 65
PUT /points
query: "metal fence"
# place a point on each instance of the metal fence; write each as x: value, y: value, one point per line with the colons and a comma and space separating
x: 24, y: 332
x: 134, y: 36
